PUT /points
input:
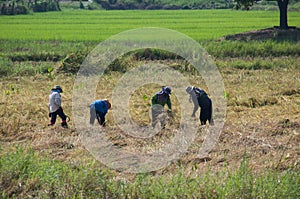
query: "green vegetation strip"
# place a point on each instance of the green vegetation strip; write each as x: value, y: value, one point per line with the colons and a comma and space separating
x: 23, y: 173
x: 83, y: 25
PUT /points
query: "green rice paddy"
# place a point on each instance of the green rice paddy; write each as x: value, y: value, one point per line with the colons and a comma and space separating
x: 83, y: 25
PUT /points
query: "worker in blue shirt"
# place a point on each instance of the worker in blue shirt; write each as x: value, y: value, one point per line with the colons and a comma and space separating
x: 98, y: 109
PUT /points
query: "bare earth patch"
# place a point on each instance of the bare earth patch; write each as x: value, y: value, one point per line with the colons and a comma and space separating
x: 292, y: 34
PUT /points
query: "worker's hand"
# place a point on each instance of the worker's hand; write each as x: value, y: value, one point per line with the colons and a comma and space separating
x: 49, y: 114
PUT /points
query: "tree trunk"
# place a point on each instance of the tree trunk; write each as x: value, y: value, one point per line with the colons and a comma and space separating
x: 283, y: 4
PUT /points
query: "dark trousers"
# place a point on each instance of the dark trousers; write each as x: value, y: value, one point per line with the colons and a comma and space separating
x: 206, y: 110
x: 60, y: 113
x: 96, y: 114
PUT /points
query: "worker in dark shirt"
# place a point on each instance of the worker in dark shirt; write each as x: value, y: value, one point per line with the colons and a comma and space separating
x: 200, y: 98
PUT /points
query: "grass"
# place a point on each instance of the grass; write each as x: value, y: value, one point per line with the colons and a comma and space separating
x: 36, y: 176
x: 54, y: 36
x: 257, y: 153
x: 39, y: 57
x: 253, y: 49
x: 82, y: 25
x: 259, y: 63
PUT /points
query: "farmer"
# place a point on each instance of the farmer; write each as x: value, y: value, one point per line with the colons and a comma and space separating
x: 199, y: 97
x: 55, y: 107
x: 98, y: 109
x: 158, y: 102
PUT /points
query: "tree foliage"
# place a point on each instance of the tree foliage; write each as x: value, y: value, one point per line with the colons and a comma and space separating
x: 245, y: 4
x: 164, y: 4
x: 14, y: 7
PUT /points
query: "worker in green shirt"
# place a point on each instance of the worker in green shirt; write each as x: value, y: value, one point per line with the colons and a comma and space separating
x: 159, y: 100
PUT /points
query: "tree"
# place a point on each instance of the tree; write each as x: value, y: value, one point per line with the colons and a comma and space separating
x: 81, y: 6
x: 282, y: 5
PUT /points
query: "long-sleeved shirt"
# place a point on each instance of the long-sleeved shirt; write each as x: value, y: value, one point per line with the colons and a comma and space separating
x: 100, y: 106
x: 162, y: 98
x: 54, y: 101
x: 196, y: 97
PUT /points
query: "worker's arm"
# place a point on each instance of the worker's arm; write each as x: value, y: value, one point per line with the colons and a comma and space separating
x: 196, y: 105
x: 169, y: 103
x: 154, y: 99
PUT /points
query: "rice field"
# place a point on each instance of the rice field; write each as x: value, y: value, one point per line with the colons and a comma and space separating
x: 82, y: 25
x: 257, y: 154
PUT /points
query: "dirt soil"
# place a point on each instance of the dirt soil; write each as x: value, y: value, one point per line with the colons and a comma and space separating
x: 292, y: 34
x: 267, y: 133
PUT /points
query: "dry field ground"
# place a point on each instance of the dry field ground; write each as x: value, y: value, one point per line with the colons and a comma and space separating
x: 262, y: 122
